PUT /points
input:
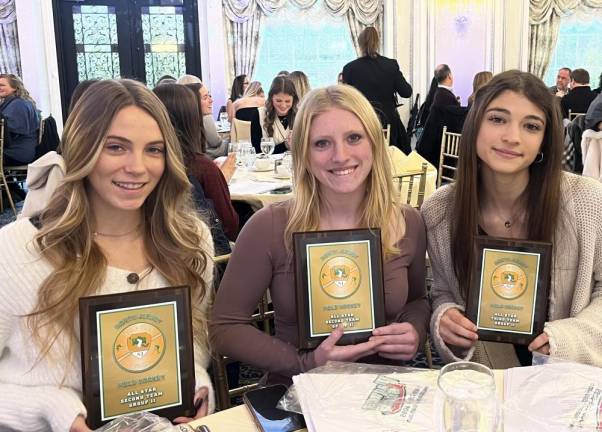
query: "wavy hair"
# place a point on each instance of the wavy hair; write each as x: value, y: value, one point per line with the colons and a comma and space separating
x: 280, y: 84
x: 20, y: 91
x: 171, y: 230
x: 381, y: 208
x: 541, y: 196
x: 254, y: 89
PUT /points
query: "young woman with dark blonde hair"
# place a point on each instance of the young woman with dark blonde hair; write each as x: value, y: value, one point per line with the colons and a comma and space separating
x: 343, y: 181
x: 123, y: 208
x: 509, y: 183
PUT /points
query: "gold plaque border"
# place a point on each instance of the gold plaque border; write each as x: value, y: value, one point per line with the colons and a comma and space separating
x: 536, y: 279
x: 310, y: 287
x: 103, y: 417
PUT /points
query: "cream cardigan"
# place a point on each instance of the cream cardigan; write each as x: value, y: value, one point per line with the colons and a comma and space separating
x: 575, y: 301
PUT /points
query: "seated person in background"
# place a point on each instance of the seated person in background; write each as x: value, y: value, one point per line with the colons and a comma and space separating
x: 599, y: 89
x: 343, y: 181
x: 510, y: 184
x: 563, y: 80
x: 479, y: 80
x: 216, y: 147
x: 444, y: 95
x: 22, y: 121
x: 184, y: 113
x: 581, y: 95
x: 276, y: 118
x: 79, y: 90
x: 246, y: 108
x: 593, y: 117
x: 123, y: 208
x: 166, y: 79
x: 239, y: 86
x: 301, y: 83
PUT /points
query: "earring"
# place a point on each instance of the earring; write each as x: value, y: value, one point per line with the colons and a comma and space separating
x: 539, y: 158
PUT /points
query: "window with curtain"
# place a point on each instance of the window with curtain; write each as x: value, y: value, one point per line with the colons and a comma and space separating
x: 310, y: 40
x: 578, y: 45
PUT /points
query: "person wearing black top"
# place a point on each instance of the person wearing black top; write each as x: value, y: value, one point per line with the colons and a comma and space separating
x: 580, y: 96
x: 379, y: 79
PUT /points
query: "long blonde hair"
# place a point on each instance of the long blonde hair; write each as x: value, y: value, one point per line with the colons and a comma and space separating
x: 380, y: 206
x: 301, y: 83
x: 171, y: 230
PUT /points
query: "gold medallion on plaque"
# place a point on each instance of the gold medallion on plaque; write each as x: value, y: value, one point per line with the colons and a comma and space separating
x: 139, y: 347
x: 340, y: 277
x: 509, y: 281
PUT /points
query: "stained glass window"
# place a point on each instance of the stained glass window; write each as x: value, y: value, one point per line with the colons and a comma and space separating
x: 95, y: 33
x: 163, y: 35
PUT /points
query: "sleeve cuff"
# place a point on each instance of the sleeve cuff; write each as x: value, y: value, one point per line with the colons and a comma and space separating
x: 447, y: 355
x: 61, y: 407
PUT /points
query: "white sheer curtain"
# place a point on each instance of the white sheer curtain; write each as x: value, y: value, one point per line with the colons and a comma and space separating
x: 544, y: 21
x: 10, y: 60
x: 244, y: 17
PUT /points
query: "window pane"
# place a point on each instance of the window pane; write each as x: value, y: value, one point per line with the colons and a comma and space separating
x: 312, y: 41
x: 578, y: 45
x: 163, y: 35
x: 95, y: 35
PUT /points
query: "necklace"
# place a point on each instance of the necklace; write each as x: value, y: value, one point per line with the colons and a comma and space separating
x: 97, y: 234
x: 134, y: 278
x: 508, y: 224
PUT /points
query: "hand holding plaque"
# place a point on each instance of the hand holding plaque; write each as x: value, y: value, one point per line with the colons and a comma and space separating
x: 509, y: 295
x: 338, y: 280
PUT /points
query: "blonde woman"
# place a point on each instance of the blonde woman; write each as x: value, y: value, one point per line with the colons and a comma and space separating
x: 254, y: 97
x: 124, y: 207
x: 343, y: 182
x: 301, y: 83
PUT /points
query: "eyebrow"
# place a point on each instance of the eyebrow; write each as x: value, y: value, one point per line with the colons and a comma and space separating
x: 119, y: 138
x: 505, y: 111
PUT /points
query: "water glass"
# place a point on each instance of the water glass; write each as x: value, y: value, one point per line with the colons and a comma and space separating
x: 469, y: 403
x: 267, y: 146
x: 223, y: 119
x: 240, y: 152
x: 249, y: 156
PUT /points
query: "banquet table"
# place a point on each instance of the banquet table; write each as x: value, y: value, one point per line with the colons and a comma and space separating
x: 256, y: 187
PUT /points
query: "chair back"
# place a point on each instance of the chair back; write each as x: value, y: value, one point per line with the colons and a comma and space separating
x: 241, y: 130
x: 387, y: 134
x: 574, y: 115
x: 41, y: 130
x: 411, y: 186
x: 4, y: 181
x: 448, y: 158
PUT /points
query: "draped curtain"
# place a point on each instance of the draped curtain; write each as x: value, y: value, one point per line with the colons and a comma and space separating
x: 544, y: 22
x: 244, y: 17
x: 10, y: 61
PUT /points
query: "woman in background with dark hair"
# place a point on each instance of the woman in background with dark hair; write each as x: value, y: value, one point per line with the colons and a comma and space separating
x: 509, y: 183
x: 276, y: 118
x: 239, y: 86
x: 184, y: 115
x: 380, y: 80
x: 215, y: 146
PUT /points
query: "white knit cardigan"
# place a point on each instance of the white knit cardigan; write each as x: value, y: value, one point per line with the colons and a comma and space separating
x: 33, y: 396
x: 575, y: 299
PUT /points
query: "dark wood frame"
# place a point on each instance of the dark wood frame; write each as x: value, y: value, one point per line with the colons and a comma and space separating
x: 89, y: 306
x: 301, y: 240
x: 543, y: 281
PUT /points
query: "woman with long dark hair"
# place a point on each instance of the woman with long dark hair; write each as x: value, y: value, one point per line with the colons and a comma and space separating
x: 509, y: 183
x: 239, y: 86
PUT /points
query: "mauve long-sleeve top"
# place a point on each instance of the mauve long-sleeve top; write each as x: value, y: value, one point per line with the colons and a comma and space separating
x: 260, y: 262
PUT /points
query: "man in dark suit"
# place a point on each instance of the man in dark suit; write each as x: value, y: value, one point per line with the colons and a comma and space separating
x: 580, y: 96
x: 380, y: 80
x: 444, y: 96
x: 562, y: 82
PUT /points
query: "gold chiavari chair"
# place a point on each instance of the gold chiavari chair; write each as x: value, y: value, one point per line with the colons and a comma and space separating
x: 574, y: 115
x: 241, y: 130
x: 387, y: 134
x: 411, y: 186
x: 5, y: 173
x: 448, y: 158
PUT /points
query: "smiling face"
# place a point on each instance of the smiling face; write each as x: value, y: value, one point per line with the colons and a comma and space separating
x: 282, y: 102
x: 340, y: 154
x: 5, y: 88
x: 130, y: 164
x: 206, y: 101
x: 510, y: 135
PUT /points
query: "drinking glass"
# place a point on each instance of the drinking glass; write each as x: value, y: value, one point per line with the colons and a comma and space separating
x: 468, y: 396
x: 267, y: 146
x: 223, y: 120
x: 249, y: 156
x: 240, y: 152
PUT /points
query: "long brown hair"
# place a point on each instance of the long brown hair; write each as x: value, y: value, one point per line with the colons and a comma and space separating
x: 369, y: 42
x: 280, y: 84
x: 541, y: 196
x: 173, y: 239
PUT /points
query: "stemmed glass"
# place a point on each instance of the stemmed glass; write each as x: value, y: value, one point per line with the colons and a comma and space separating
x: 223, y: 119
x: 267, y: 146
